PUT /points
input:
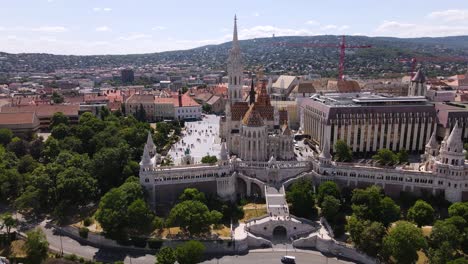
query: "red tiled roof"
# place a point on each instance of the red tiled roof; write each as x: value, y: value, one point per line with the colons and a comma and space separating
x: 186, y: 100
x: 252, y: 118
x: 43, y: 110
x: 17, y: 118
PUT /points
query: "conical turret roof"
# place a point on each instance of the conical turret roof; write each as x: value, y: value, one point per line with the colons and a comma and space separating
x: 325, y: 153
x: 454, y: 141
x: 419, y: 77
x: 432, y: 141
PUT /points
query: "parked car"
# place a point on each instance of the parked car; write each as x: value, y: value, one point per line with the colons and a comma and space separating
x: 288, y: 260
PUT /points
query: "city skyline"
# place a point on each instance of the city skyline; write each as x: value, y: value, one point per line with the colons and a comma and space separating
x: 115, y: 27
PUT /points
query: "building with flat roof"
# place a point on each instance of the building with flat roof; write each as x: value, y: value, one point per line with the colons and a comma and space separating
x: 369, y: 122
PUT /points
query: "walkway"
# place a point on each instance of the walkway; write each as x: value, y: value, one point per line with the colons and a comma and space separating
x: 276, y: 201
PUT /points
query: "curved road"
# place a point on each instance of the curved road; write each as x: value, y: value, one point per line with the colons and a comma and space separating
x: 71, y: 246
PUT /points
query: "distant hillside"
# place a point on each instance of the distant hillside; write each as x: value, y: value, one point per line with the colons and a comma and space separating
x: 382, y: 58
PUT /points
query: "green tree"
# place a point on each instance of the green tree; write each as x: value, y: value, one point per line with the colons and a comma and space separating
x: 371, y: 238
x: 112, y: 212
x: 385, y: 157
x: 190, y: 252
x: 343, y: 152
x: 209, y: 159
x: 206, y: 108
x: 27, y: 164
x: 51, y: 149
x: 390, y: 211
x: 75, y: 187
x: 5, y: 136
x: 60, y: 131
x: 330, y: 207
x: 166, y: 255
x: 57, y: 98
x: 459, y: 209
x: 440, y: 255
x: 421, y: 213
x: 57, y: 119
x: 461, y: 260
x: 8, y: 222
x: 36, y: 246
x: 403, y: 241
x: 366, y: 203
x: 140, y: 217
x: 108, y: 165
x: 192, y: 216
x: 402, y: 156
x: 328, y: 188
x: 18, y: 146
x: 301, y: 197
x: 192, y: 194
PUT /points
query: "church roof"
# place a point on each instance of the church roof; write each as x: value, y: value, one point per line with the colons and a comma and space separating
x: 253, y: 118
x: 419, y: 77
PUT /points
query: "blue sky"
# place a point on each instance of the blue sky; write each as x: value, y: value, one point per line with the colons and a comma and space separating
x: 141, y: 26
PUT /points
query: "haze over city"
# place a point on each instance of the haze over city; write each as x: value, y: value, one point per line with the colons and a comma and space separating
x: 121, y: 27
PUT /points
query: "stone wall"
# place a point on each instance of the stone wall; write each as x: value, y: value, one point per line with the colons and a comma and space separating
x: 333, y: 247
x: 294, y: 227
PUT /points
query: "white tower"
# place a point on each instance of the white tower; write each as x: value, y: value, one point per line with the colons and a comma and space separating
x: 235, y: 69
x: 450, y: 165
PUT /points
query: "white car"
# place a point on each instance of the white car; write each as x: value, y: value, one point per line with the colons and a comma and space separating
x: 288, y: 260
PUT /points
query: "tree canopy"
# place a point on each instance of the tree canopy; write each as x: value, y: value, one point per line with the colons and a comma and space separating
x: 343, y: 152
x: 301, y: 197
x: 421, y: 213
x: 193, y: 217
x: 403, y: 242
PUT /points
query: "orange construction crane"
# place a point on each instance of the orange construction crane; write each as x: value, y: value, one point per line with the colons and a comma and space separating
x: 342, y: 46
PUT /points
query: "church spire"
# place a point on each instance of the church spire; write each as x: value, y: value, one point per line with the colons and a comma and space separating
x: 252, y: 93
x: 235, y: 39
x: 235, y: 69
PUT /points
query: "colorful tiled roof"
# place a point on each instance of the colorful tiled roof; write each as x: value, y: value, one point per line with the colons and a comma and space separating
x: 252, y: 118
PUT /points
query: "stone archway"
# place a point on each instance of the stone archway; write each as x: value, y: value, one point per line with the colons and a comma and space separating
x: 280, y: 234
x: 241, y: 188
x: 255, y: 190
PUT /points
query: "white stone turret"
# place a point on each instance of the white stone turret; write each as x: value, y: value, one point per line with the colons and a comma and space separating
x: 325, y: 157
x: 223, y: 155
x: 150, y: 144
x: 146, y: 161
x: 432, y: 147
x: 235, y: 69
x: 450, y: 164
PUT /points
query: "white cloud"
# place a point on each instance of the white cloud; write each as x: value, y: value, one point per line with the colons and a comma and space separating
x: 312, y: 22
x: 103, y: 29
x: 159, y: 28
x: 332, y: 27
x: 329, y: 27
x: 99, y: 9
x: 400, y: 29
x: 50, y: 29
x: 450, y: 15
x: 256, y: 14
x: 136, y: 36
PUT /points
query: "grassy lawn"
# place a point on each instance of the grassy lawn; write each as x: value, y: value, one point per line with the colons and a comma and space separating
x: 95, y: 227
x: 422, y: 258
x: 253, y: 210
x: 426, y: 230
x: 223, y: 232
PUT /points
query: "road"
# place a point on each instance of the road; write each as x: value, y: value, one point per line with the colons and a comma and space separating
x: 275, y: 257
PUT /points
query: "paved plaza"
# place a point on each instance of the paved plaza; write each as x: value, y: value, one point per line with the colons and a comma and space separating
x: 200, y: 137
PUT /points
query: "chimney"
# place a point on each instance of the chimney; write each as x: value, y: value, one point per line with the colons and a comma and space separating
x: 180, y: 98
